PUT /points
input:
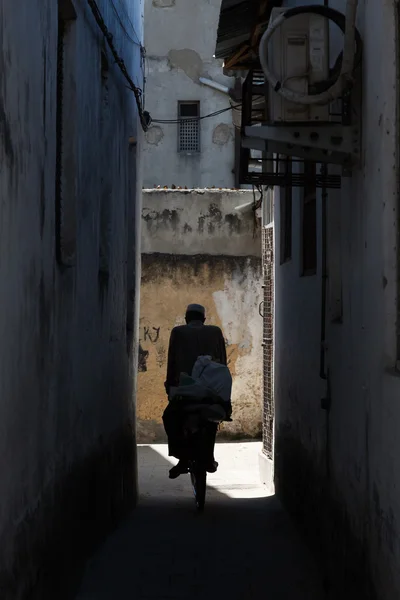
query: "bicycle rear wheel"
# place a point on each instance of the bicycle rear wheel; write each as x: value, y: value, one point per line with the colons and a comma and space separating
x: 198, y: 477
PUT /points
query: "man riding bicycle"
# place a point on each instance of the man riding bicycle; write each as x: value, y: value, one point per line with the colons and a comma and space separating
x: 187, y: 343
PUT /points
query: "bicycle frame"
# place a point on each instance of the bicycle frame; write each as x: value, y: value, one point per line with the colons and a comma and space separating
x: 198, y: 477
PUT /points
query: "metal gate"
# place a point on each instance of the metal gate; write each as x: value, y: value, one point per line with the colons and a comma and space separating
x: 268, y: 340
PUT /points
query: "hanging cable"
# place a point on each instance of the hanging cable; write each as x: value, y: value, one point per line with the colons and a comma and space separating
x: 186, y: 119
x: 236, y: 107
x: 144, y: 116
x: 143, y: 61
x: 127, y: 17
x: 122, y: 24
x: 256, y: 205
x: 136, y: 41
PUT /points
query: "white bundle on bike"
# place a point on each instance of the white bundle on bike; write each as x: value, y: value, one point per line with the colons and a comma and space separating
x: 214, y: 376
x: 207, y: 376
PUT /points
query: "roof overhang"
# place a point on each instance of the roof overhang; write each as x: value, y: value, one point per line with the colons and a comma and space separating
x: 241, y: 25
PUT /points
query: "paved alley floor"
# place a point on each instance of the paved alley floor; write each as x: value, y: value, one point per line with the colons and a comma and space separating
x: 243, y: 547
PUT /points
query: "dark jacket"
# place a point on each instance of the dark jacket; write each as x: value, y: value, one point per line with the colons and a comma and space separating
x: 187, y: 343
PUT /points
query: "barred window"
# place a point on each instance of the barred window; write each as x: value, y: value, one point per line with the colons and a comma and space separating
x: 188, y: 127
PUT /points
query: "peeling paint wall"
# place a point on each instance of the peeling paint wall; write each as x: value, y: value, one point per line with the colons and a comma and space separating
x: 197, y: 222
x: 339, y: 471
x: 180, y: 37
x: 68, y: 333
x: 220, y: 267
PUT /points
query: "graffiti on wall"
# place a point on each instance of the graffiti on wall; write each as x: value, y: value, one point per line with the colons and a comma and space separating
x: 152, y: 334
x: 151, y: 339
x: 143, y: 356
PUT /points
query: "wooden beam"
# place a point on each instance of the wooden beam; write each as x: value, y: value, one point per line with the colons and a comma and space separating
x: 257, y: 28
x: 235, y: 57
x: 242, y: 58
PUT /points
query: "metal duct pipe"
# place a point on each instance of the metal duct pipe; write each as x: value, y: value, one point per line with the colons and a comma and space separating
x: 213, y: 84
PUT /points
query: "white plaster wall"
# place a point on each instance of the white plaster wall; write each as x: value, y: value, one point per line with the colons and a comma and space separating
x: 198, y: 222
x: 163, y: 25
x: 64, y: 368
x: 237, y: 307
x: 360, y: 438
x: 180, y: 41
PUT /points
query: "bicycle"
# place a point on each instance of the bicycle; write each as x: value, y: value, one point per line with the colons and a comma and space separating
x: 196, y: 429
x: 198, y: 477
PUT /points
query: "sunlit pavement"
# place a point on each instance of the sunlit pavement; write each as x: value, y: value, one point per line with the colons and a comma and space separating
x: 237, y: 475
x: 244, y: 546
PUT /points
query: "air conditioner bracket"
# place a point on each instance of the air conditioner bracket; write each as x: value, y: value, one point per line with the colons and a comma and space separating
x: 325, y: 143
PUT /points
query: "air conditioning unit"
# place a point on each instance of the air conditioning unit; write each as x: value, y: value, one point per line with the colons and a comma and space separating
x: 299, y: 56
x: 313, y: 107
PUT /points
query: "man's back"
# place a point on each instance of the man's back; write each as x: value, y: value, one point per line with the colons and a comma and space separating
x: 187, y: 343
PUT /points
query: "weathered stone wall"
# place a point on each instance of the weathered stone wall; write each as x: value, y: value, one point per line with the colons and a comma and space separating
x: 203, y: 251
x: 68, y: 331
x: 198, y: 222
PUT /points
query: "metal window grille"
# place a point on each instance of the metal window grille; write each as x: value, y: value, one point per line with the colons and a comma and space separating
x: 189, y: 127
x: 268, y: 342
x: 268, y: 206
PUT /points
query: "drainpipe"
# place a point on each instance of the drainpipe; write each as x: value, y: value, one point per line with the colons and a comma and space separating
x: 324, y: 279
x: 213, y: 84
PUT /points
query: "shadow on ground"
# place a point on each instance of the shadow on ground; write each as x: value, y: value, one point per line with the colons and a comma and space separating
x: 240, y: 548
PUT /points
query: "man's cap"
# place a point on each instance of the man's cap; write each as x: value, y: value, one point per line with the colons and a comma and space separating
x: 196, y: 308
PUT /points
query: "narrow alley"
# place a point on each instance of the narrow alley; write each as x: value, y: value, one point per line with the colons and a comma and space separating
x: 243, y: 546
x: 192, y: 183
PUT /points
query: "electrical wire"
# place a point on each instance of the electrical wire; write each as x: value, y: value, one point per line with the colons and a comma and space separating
x: 124, y: 29
x: 191, y: 119
x: 134, y: 41
x: 144, y: 116
x: 144, y: 67
x: 236, y: 107
x: 256, y: 204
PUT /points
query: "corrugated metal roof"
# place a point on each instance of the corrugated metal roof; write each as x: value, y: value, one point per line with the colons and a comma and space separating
x: 237, y: 21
